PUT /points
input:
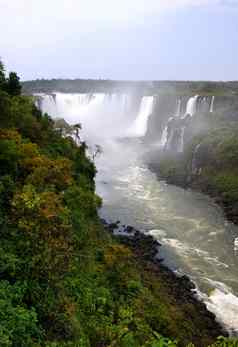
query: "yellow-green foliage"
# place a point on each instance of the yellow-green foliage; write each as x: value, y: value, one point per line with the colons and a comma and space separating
x: 63, y: 280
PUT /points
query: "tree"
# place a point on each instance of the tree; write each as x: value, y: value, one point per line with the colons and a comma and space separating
x: 13, y: 86
x: 2, y: 75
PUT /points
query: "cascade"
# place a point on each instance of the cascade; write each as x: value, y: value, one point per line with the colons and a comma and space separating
x: 164, y: 137
x: 139, y: 127
x: 101, y: 115
x: 113, y: 114
x: 47, y: 104
x: 181, y: 142
x: 179, y: 127
x: 179, y: 105
x: 212, y: 104
x: 170, y: 140
x: 73, y: 106
x: 191, y: 106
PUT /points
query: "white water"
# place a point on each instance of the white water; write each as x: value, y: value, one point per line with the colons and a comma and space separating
x: 196, y: 238
x: 164, y: 137
x: 191, y: 106
x: 178, y: 112
x: 191, y: 109
x: 109, y: 112
x: 212, y: 104
x: 181, y: 144
x: 139, y: 126
x: 49, y: 105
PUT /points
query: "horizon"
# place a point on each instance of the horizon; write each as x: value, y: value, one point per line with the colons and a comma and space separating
x: 130, y: 81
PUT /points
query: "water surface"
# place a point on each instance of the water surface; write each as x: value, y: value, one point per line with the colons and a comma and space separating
x: 197, y: 240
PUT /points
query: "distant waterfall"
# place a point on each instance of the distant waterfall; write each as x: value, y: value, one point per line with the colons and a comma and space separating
x: 174, y: 131
x: 179, y: 105
x: 191, y: 106
x: 191, y: 109
x: 164, y: 137
x: 47, y: 104
x: 101, y: 115
x: 73, y: 106
x: 181, y: 142
x: 212, y: 104
x: 139, y: 127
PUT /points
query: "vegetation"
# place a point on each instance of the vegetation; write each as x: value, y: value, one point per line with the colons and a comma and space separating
x: 212, y: 147
x: 182, y: 88
x: 64, y: 281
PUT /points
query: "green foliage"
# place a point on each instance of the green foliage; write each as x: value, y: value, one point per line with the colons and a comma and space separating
x: 2, y: 76
x: 18, y: 323
x: 182, y: 88
x: 64, y: 281
x: 225, y: 342
x: 13, y: 85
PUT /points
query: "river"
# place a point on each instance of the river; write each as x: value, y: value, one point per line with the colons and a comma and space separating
x: 196, y: 238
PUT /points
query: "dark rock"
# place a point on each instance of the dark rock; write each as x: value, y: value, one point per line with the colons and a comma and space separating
x: 129, y: 229
x: 187, y: 283
x: 113, y: 226
x: 104, y: 222
x: 182, y: 289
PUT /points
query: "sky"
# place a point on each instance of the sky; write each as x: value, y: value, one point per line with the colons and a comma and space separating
x: 120, y: 39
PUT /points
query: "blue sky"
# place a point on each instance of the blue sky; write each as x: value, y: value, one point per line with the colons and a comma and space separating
x: 126, y: 39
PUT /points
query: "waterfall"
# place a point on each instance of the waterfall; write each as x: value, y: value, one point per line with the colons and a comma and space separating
x: 179, y: 105
x: 212, y: 104
x: 174, y: 131
x: 72, y: 107
x: 47, y: 104
x: 101, y: 115
x: 181, y: 144
x: 164, y: 137
x: 191, y: 106
x: 139, y: 127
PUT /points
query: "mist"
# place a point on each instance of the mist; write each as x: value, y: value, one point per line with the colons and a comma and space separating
x: 120, y: 137
x: 156, y: 140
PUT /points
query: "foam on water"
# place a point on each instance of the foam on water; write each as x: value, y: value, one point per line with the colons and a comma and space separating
x: 196, y: 238
x: 225, y: 307
x: 139, y: 126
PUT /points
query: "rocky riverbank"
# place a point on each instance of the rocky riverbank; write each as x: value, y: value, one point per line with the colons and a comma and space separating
x: 180, y: 291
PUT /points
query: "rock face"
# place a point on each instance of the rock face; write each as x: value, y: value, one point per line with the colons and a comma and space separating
x: 177, y: 119
x: 199, y: 150
x: 210, y: 167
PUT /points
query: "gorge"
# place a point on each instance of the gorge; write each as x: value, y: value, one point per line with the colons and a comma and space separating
x: 135, y: 130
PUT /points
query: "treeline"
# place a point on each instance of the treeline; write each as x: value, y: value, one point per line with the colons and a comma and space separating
x: 84, y: 86
x: 64, y: 281
x: 138, y: 87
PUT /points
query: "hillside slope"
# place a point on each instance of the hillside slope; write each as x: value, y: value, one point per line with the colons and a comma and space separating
x: 66, y: 281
